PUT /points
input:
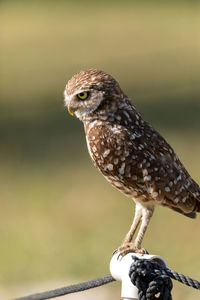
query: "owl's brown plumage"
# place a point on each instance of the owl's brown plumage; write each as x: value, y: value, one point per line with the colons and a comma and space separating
x: 131, y: 155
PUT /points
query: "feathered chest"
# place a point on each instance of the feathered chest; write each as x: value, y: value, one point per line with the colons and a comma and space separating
x: 113, y: 150
x: 115, y: 153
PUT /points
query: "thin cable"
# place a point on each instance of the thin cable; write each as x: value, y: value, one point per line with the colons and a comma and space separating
x: 70, y: 289
x: 183, y: 278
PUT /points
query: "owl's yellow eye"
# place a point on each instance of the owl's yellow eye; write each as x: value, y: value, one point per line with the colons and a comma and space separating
x: 83, y: 95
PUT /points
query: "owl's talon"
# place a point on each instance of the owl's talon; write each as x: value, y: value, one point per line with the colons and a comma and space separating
x: 115, y: 251
x: 129, y: 248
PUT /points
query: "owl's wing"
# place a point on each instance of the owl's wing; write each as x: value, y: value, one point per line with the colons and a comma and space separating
x: 170, y: 179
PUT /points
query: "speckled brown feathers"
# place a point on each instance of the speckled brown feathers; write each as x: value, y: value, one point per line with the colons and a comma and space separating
x: 131, y: 155
x: 92, y: 79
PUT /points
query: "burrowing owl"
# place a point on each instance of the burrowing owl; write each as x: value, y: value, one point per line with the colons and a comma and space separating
x: 129, y: 153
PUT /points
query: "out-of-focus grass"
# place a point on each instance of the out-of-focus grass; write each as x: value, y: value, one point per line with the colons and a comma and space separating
x: 151, y: 48
x: 58, y: 217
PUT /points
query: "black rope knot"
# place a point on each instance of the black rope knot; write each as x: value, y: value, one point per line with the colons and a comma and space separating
x: 151, y: 281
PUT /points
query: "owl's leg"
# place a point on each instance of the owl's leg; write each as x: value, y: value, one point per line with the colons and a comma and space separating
x: 147, y: 213
x: 127, y: 247
x: 136, y: 220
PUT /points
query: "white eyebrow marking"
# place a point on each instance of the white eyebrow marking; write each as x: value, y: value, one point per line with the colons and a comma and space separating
x: 68, y: 98
x: 79, y: 91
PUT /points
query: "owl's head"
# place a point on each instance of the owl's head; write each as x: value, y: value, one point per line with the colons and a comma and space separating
x: 90, y: 91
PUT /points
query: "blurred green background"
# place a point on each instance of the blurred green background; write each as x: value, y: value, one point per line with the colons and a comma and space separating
x: 59, y: 219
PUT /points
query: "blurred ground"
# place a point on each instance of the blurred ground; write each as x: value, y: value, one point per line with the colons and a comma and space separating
x: 59, y: 219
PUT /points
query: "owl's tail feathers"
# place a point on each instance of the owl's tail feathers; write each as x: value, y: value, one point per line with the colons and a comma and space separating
x: 197, y: 206
x: 195, y: 200
x: 196, y: 196
x: 191, y: 215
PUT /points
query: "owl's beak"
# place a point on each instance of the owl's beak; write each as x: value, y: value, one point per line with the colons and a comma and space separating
x: 70, y: 110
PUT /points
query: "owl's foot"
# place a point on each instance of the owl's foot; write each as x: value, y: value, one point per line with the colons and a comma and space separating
x: 129, y: 248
